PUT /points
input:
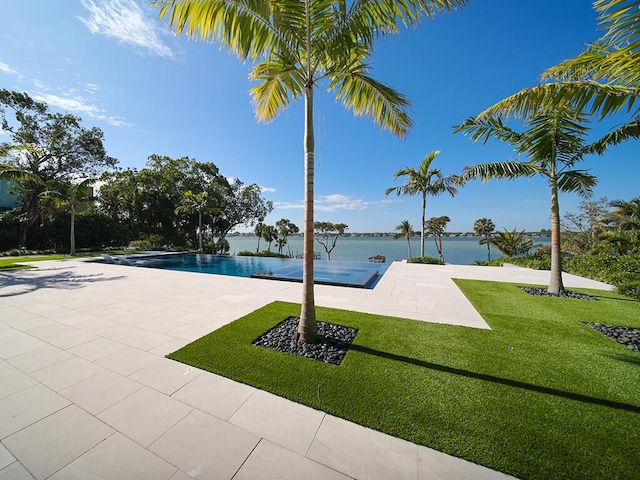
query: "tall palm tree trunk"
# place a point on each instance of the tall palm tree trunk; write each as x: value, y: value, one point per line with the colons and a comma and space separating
x: 307, y: 327
x: 424, y: 209
x: 409, y: 244
x: 72, y: 240
x: 555, y: 282
x: 488, y: 250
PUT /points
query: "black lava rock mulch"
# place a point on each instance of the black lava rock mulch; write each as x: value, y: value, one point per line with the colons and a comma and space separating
x: 627, y: 336
x: 566, y: 294
x: 330, y: 346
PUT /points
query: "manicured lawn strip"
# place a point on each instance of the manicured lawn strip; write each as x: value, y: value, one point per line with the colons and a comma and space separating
x: 539, y: 396
x: 16, y: 263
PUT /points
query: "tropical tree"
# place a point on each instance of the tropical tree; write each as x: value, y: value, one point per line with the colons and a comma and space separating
x: 512, y: 243
x: 424, y: 181
x: 257, y: 231
x: 195, y: 203
x: 626, y: 214
x: 436, y: 226
x: 285, y: 228
x: 580, y: 230
x: 46, y: 147
x: 484, y: 227
x: 327, y: 235
x: 405, y: 230
x: 300, y: 45
x: 71, y: 196
x: 269, y: 234
x: 554, y: 142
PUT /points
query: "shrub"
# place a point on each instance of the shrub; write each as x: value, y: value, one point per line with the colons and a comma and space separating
x: 264, y: 253
x: 426, y: 260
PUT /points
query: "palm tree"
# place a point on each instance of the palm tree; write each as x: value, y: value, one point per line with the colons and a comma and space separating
x: 423, y: 181
x: 484, y: 227
x: 603, y: 80
x: 70, y: 196
x: 626, y: 214
x: 195, y: 202
x: 405, y: 229
x: 554, y: 143
x: 257, y: 231
x: 298, y: 46
x: 512, y: 243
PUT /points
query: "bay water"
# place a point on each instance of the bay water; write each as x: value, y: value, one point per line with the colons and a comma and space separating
x: 456, y: 250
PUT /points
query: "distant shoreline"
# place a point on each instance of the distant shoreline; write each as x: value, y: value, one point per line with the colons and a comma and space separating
x: 393, y: 234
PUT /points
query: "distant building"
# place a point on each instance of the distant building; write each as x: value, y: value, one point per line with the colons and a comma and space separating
x: 7, y: 198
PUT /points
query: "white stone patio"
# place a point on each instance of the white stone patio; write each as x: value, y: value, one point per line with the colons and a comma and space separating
x: 85, y: 390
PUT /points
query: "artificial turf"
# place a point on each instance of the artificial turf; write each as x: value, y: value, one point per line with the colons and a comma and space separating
x: 539, y: 396
x: 16, y: 263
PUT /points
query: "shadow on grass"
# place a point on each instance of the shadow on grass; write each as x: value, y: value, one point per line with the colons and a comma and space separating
x: 21, y: 282
x: 494, y: 379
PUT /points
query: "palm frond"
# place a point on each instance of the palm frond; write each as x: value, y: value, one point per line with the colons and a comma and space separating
x: 485, y: 127
x: 621, y: 134
x: 370, y: 98
x: 508, y: 170
x: 280, y: 83
x: 241, y: 26
x: 584, y: 96
x: 577, y: 181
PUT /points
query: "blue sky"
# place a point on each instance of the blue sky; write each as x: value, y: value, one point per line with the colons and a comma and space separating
x: 115, y: 65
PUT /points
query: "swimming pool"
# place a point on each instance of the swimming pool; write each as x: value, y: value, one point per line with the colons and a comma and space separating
x: 351, y: 274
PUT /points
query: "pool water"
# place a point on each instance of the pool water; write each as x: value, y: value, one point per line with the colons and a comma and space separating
x: 351, y: 274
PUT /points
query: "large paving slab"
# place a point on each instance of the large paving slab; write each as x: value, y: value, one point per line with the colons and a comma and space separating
x: 85, y: 390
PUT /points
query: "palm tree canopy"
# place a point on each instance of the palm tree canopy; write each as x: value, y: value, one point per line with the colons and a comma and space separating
x: 483, y: 227
x: 553, y: 141
x: 626, y: 214
x: 404, y: 229
x: 301, y: 43
x: 424, y: 179
x: 603, y: 80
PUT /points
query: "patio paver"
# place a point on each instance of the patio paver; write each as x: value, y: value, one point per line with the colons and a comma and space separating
x: 85, y: 390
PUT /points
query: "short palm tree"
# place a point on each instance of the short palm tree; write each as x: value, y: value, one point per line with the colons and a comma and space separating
x: 257, y: 231
x: 71, y: 196
x: 512, y: 243
x: 405, y: 230
x: 300, y: 45
x: 554, y: 143
x: 424, y: 181
x: 484, y: 227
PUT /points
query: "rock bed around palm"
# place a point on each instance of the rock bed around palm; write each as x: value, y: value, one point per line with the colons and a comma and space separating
x: 330, y: 346
x: 629, y: 337
x: 566, y: 294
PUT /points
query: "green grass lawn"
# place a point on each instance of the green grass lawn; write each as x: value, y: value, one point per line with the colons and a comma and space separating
x: 17, y: 263
x: 539, y: 396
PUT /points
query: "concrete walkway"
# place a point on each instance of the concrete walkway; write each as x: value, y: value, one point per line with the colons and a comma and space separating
x: 85, y: 390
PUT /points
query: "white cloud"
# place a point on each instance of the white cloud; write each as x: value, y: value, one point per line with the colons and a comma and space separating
x: 267, y: 189
x: 67, y: 103
x: 7, y: 69
x: 125, y: 21
x: 76, y: 104
x: 333, y: 203
x: 287, y: 205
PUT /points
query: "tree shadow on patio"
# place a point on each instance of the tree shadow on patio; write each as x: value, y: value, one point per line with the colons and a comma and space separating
x: 26, y: 281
